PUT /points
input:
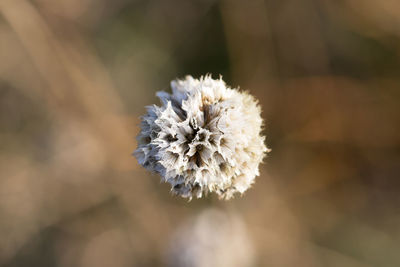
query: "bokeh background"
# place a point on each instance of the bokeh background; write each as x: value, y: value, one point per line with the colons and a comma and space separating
x: 75, y: 76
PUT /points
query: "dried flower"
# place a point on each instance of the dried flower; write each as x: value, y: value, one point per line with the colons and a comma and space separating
x: 204, y: 138
x: 213, y: 238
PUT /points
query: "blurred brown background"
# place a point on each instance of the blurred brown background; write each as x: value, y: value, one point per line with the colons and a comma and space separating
x: 75, y: 76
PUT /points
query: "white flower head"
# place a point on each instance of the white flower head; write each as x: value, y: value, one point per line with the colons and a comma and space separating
x: 205, y: 137
x: 213, y: 238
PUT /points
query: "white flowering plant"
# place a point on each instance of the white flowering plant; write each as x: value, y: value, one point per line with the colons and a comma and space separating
x: 205, y: 137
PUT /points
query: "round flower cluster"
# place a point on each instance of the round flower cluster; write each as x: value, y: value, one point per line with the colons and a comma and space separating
x: 212, y: 238
x: 205, y: 137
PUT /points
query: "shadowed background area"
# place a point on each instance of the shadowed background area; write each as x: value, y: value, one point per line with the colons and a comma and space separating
x: 75, y: 76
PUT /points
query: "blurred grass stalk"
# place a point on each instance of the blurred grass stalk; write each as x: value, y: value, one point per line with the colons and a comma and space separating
x: 76, y: 83
x: 92, y: 131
